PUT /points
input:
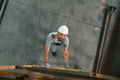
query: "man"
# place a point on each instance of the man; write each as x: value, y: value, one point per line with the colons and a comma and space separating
x: 57, y: 39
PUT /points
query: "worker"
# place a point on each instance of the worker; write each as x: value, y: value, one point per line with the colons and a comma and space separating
x: 55, y: 39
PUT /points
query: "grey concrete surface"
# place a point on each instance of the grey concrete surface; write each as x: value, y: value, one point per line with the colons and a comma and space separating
x: 26, y: 23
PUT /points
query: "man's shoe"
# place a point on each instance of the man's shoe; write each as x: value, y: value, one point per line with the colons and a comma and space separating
x: 47, y: 65
x: 67, y: 66
x: 54, y: 54
x: 77, y: 67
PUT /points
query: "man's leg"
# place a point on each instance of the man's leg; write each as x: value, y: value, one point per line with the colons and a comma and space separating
x: 53, y: 50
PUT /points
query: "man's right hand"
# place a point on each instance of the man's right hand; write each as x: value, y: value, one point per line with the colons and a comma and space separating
x: 47, y: 65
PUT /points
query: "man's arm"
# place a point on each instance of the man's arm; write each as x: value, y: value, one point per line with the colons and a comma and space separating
x: 66, y: 55
x: 47, y: 47
x: 46, y: 51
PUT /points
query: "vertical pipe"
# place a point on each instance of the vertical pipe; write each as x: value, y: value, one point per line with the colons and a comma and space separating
x: 104, y: 43
x: 104, y: 51
x: 96, y: 61
x: 103, y: 39
x: 111, y: 62
x: 3, y: 6
x: 1, y: 2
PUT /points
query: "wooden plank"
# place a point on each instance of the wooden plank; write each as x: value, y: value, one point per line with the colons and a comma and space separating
x: 107, y: 77
x: 55, y: 68
x: 3, y: 67
x: 7, y: 78
x: 34, y: 75
x: 58, y: 71
x: 74, y: 73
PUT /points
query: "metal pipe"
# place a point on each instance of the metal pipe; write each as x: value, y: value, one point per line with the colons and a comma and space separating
x: 3, y: 5
x: 103, y: 39
x: 96, y: 61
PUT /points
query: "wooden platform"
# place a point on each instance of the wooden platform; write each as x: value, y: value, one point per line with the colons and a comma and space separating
x: 40, y: 72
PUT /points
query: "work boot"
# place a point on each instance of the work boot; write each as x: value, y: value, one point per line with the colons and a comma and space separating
x: 77, y: 67
x: 67, y: 66
x: 47, y: 65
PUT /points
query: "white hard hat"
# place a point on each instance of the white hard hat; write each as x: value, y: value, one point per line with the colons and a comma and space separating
x: 63, y: 29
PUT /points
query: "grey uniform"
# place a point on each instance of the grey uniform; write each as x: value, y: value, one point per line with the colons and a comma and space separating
x: 51, y: 42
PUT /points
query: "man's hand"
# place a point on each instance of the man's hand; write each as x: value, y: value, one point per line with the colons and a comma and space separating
x: 46, y: 51
x: 66, y: 54
x: 47, y: 65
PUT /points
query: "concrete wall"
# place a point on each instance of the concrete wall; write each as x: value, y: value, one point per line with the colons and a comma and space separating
x: 26, y: 23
